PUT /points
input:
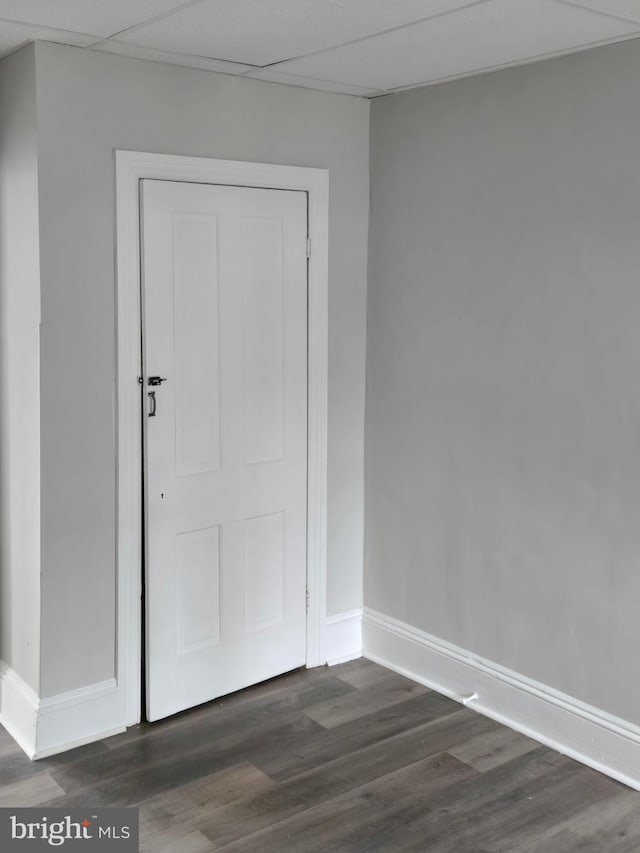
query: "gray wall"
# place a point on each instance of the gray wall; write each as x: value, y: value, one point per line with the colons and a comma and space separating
x: 88, y: 105
x: 503, y: 400
x: 19, y: 365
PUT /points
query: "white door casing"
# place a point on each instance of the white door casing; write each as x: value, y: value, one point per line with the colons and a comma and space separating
x: 224, y: 307
x: 131, y: 168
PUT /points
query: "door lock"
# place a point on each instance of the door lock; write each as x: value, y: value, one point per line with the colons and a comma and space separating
x: 154, y: 381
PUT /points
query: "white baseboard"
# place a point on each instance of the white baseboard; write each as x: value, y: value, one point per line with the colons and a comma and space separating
x: 45, y: 727
x: 342, y: 637
x: 594, y: 737
x: 18, y: 709
x: 79, y: 717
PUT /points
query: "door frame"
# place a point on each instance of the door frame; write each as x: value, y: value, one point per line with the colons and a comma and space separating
x: 131, y: 167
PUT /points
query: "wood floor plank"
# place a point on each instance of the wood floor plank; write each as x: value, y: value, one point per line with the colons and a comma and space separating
x: 386, y: 691
x: 80, y: 753
x: 176, y: 841
x: 16, y: 766
x: 490, y: 750
x: 343, y: 823
x: 511, y: 818
x: 164, y: 771
x: 8, y: 746
x: 445, y: 823
x: 361, y: 673
x: 525, y: 789
x: 252, y: 813
x: 30, y: 791
x: 199, y: 800
x: 432, y: 823
x: 610, y: 824
x: 349, y: 737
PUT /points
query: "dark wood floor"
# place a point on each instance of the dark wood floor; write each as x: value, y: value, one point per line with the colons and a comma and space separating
x: 353, y: 758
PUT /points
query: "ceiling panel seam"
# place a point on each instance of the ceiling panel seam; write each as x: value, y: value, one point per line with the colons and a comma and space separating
x: 156, y: 18
x: 97, y: 45
x: 446, y: 13
x: 31, y: 26
x: 575, y: 4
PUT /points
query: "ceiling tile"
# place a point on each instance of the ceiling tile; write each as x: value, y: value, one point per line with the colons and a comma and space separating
x: 307, y: 83
x: 13, y: 36
x: 477, y: 38
x: 134, y: 50
x: 261, y: 32
x: 102, y: 17
x: 629, y: 9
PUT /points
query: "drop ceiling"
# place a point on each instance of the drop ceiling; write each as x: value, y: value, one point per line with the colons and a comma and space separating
x: 356, y: 47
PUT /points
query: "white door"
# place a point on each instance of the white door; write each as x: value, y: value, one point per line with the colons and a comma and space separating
x: 224, y: 288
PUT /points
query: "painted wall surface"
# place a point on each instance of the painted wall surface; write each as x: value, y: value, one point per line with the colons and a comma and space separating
x: 19, y: 369
x: 503, y: 402
x: 88, y: 105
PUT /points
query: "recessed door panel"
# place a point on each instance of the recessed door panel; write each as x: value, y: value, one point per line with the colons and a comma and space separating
x: 196, y: 338
x: 264, y: 571
x: 262, y: 339
x: 198, y: 582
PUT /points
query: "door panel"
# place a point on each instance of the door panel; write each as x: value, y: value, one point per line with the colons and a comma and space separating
x: 224, y: 285
x: 196, y: 342
x: 262, y: 340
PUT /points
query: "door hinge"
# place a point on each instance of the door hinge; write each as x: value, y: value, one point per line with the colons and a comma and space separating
x: 307, y: 597
x: 308, y: 247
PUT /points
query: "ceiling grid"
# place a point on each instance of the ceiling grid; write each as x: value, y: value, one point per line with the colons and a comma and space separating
x: 357, y: 47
